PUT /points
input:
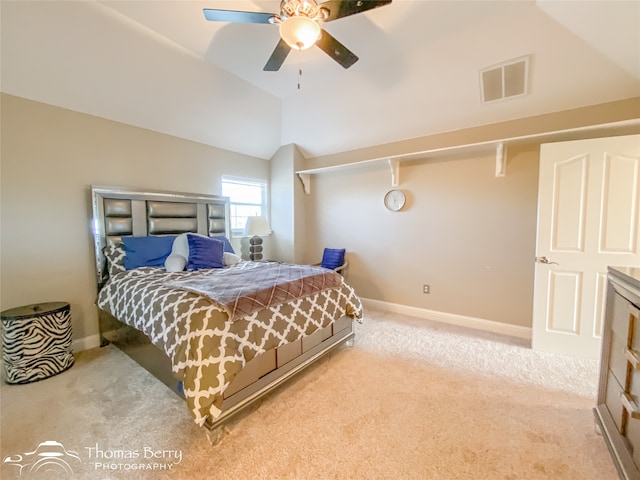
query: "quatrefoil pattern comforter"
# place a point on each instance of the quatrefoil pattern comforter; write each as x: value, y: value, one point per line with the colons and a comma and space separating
x: 207, y: 346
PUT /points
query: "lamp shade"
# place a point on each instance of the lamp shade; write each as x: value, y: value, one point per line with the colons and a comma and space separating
x: 257, y: 225
x: 299, y: 32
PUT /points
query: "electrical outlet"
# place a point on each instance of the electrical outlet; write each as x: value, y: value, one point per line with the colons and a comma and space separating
x: 425, y: 288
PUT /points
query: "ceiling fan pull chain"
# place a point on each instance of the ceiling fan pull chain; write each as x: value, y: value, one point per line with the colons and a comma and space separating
x: 299, y: 77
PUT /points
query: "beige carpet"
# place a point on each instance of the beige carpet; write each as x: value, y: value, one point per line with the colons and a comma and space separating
x: 412, y: 400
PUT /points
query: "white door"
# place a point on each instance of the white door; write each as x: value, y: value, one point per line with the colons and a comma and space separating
x: 588, y: 219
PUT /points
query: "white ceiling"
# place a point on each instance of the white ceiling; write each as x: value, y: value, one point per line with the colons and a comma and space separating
x: 159, y: 65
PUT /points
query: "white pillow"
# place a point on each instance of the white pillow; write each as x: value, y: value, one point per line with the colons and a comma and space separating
x: 175, y: 263
x: 181, y: 245
x: 230, y: 259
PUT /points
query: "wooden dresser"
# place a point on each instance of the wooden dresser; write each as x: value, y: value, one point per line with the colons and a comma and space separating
x: 618, y: 407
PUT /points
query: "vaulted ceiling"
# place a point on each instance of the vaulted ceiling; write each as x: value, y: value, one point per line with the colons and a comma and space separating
x: 160, y: 65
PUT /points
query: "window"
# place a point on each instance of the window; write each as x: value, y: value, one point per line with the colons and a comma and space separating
x: 248, y: 198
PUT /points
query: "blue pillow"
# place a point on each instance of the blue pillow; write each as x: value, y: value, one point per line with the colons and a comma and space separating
x: 205, y: 252
x: 332, y: 258
x: 146, y: 251
x: 227, y: 244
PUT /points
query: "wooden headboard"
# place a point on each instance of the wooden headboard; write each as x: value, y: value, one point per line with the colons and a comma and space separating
x: 119, y: 212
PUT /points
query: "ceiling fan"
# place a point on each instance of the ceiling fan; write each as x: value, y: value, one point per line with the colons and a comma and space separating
x: 299, y: 22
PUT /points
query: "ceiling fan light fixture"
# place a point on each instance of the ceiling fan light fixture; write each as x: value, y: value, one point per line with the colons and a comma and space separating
x: 300, y: 32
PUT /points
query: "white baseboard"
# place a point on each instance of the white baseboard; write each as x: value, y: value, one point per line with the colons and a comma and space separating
x: 450, y: 318
x: 86, y: 343
x: 93, y: 341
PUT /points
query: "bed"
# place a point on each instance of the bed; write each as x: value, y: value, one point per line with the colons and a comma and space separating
x: 221, y: 337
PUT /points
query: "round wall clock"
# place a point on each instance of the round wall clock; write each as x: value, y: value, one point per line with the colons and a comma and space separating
x: 394, y: 200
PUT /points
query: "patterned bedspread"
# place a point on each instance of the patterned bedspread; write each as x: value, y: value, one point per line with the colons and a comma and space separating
x: 257, y: 285
x: 207, y: 348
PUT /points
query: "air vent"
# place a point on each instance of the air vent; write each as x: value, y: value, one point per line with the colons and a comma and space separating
x: 507, y: 80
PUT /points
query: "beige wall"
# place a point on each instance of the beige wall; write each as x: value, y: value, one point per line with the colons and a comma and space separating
x: 466, y: 233
x: 50, y: 157
x: 620, y: 117
x: 288, y: 215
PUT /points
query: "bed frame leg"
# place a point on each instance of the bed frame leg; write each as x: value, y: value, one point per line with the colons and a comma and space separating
x: 216, y: 434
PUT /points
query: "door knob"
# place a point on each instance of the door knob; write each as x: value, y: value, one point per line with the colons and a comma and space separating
x: 546, y: 261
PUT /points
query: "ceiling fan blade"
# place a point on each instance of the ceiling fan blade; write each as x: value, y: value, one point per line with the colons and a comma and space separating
x: 277, y: 57
x: 344, y: 8
x: 336, y: 50
x: 214, y: 15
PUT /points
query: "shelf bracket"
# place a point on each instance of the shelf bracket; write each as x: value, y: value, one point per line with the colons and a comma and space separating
x: 501, y: 160
x: 394, y: 165
x: 305, y: 178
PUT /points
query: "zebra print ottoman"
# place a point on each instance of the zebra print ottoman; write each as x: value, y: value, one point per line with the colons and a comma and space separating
x: 36, y: 341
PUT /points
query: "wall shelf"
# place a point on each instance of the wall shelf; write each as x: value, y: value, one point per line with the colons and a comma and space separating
x: 393, y: 163
x: 499, y: 146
